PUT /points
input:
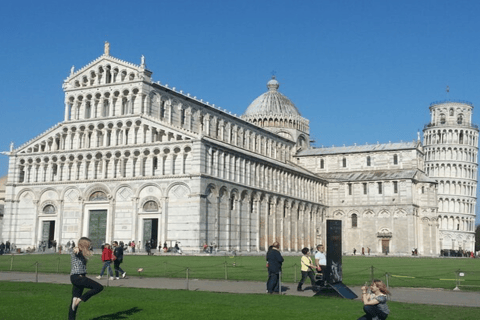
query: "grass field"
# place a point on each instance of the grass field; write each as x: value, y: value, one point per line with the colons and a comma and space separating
x: 403, y: 272
x: 51, y: 301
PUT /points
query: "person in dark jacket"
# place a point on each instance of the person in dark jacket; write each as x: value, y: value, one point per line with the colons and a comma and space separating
x: 118, y: 253
x: 275, y: 260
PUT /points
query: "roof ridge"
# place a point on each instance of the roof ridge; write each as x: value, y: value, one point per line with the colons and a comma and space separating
x: 103, y: 56
x: 55, y: 126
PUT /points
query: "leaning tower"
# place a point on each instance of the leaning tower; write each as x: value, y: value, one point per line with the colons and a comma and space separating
x: 451, y: 148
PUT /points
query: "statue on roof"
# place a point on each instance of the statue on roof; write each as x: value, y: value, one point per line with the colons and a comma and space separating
x: 107, y: 48
x: 11, y: 146
x: 143, y: 60
x: 72, y: 70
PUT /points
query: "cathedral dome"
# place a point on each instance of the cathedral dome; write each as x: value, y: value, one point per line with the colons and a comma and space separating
x: 272, y: 102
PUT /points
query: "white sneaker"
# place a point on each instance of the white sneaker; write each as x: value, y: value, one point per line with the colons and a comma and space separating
x: 111, y: 278
x: 124, y: 275
x: 98, y: 277
x: 75, y: 302
x: 117, y: 278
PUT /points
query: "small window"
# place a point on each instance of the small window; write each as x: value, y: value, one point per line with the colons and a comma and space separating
x: 105, y: 108
x: 365, y: 188
x: 162, y: 109
x: 344, y: 162
x: 322, y: 164
x: 395, y: 187
x: 442, y: 119
x: 380, y: 188
x: 182, y: 116
x: 369, y: 161
x: 460, y: 119
x: 88, y: 110
x: 423, y: 189
x: 350, y: 191
x: 451, y: 112
x: 395, y: 159
x: 354, y: 220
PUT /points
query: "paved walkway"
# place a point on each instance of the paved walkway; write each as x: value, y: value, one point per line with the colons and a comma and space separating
x: 408, y: 295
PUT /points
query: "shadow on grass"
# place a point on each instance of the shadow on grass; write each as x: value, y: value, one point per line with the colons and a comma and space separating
x: 119, y: 315
x: 327, y: 292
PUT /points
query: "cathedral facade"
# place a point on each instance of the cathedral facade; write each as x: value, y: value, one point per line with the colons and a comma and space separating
x: 138, y: 160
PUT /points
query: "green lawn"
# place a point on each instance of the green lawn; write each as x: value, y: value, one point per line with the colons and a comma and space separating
x: 51, y: 301
x: 403, y: 272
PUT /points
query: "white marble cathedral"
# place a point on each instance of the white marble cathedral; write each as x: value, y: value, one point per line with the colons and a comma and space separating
x: 138, y: 160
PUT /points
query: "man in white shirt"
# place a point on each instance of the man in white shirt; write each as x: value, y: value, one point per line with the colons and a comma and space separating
x: 321, y: 261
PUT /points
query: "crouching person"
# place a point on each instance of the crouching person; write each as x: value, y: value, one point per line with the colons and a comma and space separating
x: 375, y: 303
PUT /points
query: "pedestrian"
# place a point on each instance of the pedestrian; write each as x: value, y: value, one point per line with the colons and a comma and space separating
x: 132, y: 245
x: 306, y: 267
x: 368, y: 250
x: 275, y: 260
x: 118, y: 259
x: 78, y: 277
x: 107, y: 257
x: 363, y: 251
x: 375, y: 301
x: 148, y: 248
x: 321, y: 262
x: 354, y: 251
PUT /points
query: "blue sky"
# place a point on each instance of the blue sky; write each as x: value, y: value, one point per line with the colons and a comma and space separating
x: 361, y: 71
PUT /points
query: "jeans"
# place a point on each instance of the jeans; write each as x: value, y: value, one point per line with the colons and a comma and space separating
x: 116, y: 266
x: 273, y: 282
x: 80, y: 282
x: 325, y: 273
x: 306, y: 274
x: 106, y: 264
x: 372, y: 312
